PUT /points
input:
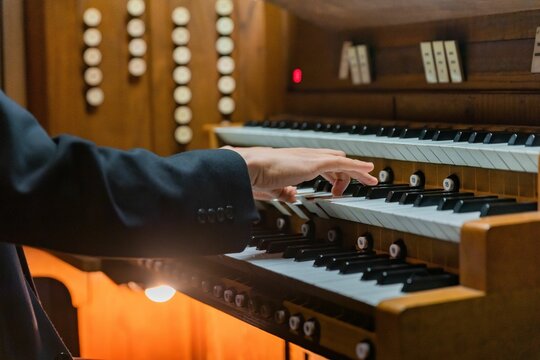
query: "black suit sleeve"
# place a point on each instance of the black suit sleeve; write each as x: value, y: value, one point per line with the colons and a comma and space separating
x: 68, y: 194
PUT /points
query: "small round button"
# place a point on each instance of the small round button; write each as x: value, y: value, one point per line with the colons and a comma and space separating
x: 417, y: 179
x: 201, y: 216
x: 92, y: 17
x: 180, y: 36
x: 386, y: 176
x: 92, y: 37
x: 182, y: 115
x: 364, y: 242
x: 451, y: 183
x: 240, y: 300
x: 226, y: 105
x: 210, y: 212
x: 333, y: 235
x: 137, y: 67
x: 295, y: 322
x: 95, y: 96
x: 92, y: 57
x: 225, y: 65
x: 224, y: 7
x: 398, y: 250
x: 182, y: 95
x: 182, y: 55
x: 224, y: 45
x: 183, y: 135
x: 136, y: 28
x: 363, y: 350
x: 311, y: 328
x: 217, y: 291
x: 281, y: 223
x: 225, y: 26
x: 220, y: 214
x: 180, y: 16
x: 93, y: 76
x: 229, y: 295
x: 136, y: 7
x: 229, y: 212
x: 137, y: 47
x: 226, y: 84
x: 206, y: 286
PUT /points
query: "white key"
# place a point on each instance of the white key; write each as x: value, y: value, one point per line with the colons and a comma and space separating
x: 489, y: 156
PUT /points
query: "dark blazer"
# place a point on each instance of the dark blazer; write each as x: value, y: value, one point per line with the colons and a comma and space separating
x: 68, y: 194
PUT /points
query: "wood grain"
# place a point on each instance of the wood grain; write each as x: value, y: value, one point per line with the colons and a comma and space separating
x: 364, y: 13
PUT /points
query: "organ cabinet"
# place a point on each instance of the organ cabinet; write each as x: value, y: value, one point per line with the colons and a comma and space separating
x: 437, y: 261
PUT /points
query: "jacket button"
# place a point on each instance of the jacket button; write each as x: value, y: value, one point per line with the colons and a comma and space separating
x: 229, y: 212
x: 220, y: 213
x: 201, y: 216
x: 62, y: 356
x: 211, y: 213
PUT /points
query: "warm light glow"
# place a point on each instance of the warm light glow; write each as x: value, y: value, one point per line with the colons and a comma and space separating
x: 297, y: 76
x: 160, y: 294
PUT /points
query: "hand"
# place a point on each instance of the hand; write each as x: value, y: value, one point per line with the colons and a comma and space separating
x: 273, y: 172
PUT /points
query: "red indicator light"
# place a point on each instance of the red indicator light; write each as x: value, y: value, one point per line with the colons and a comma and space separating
x: 297, y: 76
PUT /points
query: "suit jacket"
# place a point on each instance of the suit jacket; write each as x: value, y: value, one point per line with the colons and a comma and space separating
x: 68, y: 194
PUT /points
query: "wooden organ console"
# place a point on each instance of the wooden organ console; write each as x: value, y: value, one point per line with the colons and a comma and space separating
x: 439, y: 260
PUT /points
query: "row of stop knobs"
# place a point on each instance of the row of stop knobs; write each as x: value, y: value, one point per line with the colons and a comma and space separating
x: 267, y: 310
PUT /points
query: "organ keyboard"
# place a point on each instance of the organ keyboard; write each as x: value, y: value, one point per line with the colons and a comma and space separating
x: 410, y: 268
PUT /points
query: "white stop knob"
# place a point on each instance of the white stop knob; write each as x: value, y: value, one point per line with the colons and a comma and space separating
x: 384, y: 176
x: 415, y: 180
x: 295, y: 322
x: 363, y: 350
x: 92, y: 57
x: 182, y: 55
x: 225, y: 26
x: 226, y: 84
x: 183, y: 115
x: 224, y: 45
x: 182, y: 95
x: 180, y: 16
x: 226, y: 105
x: 180, y: 36
x: 92, y: 17
x: 137, y: 47
x: 183, y: 135
x: 93, y: 76
x: 92, y: 37
x: 136, y: 7
x: 362, y: 243
x: 95, y: 96
x: 225, y: 65
x: 449, y: 184
x: 224, y: 7
x: 182, y: 75
x: 136, y: 28
x: 137, y: 67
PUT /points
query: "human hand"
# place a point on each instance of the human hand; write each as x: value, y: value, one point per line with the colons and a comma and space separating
x: 273, y: 172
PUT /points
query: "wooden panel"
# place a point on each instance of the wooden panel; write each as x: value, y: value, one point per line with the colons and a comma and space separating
x: 486, y: 245
x: 124, y: 118
x: 118, y: 323
x: 365, y: 13
x: 12, y: 70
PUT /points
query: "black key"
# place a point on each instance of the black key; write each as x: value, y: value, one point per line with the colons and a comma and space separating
x: 463, y: 135
x: 410, y: 197
x: 507, y: 208
x: 381, y: 191
x: 356, y: 129
x: 433, y: 199
x: 533, y: 140
x: 369, y: 130
x: 321, y: 126
x: 263, y: 243
x: 410, y: 133
x: 337, y: 262
x: 340, y: 128
x: 293, y: 250
x: 251, y: 123
x: 427, y: 134
x: 383, y: 131
x: 362, y: 191
x: 352, y: 188
x: 307, y: 126
x: 444, y: 135
x: 395, y: 195
x: 280, y: 246
x: 324, y: 259
x: 373, y: 272
x: 357, y: 266
x: 295, y: 125
x: 255, y: 238
x: 418, y: 282
x: 497, y: 137
x: 321, y: 184
x: 448, y: 203
x: 311, y: 254
x: 477, y: 137
x: 399, y: 275
x: 471, y: 205
x: 518, y: 139
x: 284, y: 124
x: 395, y: 132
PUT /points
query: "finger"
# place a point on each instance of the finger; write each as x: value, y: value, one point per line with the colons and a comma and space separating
x: 340, y: 184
